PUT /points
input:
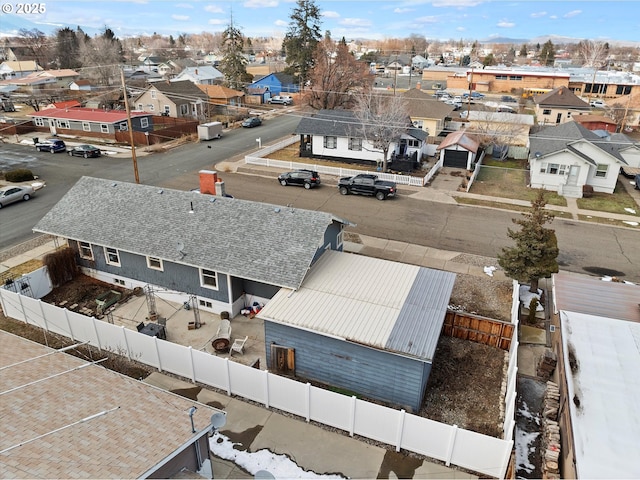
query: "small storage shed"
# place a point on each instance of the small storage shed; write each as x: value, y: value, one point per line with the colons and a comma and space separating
x: 458, y: 150
x: 363, y: 324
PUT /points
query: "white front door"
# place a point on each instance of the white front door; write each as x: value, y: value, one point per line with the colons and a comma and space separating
x: 572, y: 179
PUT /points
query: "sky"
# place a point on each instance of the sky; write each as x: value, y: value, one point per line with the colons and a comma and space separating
x: 373, y: 19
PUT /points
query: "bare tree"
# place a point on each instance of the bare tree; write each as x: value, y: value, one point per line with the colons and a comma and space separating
x: 594, y: 55
x: 491, y: 130
x: 102, y: 56
x: 382, y: 119
x: 336, y: 75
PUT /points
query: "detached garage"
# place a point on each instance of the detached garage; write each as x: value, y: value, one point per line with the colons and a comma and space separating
x: 459, y: 150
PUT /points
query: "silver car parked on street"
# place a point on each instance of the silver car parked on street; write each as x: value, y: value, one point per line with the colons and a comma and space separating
x: 14, y: 193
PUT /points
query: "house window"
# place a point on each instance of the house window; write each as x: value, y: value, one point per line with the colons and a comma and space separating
x: 184, y: 109
x: 140, y: 106
x: 85, y: 251
x: 553, y: 168
x: 86, y: 126
x: 355, y: 143
x: 151, y: 108
x: 204, y: 303
x: 154, y: 94
x: 167, y: 109
x: 330, y: 142
x: 155, y: 263
x: 62, y: 124
x: 515, y: 77
x: 112, y: 256
x: 601, y: 170
x: 412, y: 142
x: 123, y: 127
x: 104, y: 128
x: 546, y: 111
x: 623, y: 89
x: 208, y: 279
x: 39, y: 122
x: 501, y: 77
x: 144, y: 122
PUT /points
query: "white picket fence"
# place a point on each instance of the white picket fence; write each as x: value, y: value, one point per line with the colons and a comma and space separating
x: 258, y: 159
x: 450, y: 444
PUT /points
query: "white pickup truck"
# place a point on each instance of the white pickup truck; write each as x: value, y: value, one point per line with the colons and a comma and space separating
x: 280, y: 100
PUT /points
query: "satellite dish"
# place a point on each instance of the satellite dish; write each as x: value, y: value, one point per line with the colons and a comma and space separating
x: 538, y: 154
x: 218, y: 420
x: 264, y: 475
x: 180, y: 246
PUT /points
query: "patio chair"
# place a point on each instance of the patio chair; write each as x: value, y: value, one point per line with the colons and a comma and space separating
x: 238, y: 345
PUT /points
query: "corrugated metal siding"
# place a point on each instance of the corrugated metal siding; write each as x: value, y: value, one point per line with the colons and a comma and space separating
x: 366, y: 371
x: 418, y: 327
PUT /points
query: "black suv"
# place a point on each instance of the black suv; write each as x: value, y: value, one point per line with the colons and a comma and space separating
x: 52, y: 145
x: 301, y: 178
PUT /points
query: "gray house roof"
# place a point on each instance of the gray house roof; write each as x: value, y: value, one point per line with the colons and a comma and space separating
x: 423, y: 105
x: 342, y: 123
x: 561, y: 97
x: 250, y: 240
x: 560, y: 137
x: 180, y: 92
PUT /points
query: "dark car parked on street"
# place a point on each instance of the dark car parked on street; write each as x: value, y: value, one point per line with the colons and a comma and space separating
x: 252, y: 122
x: 53, y: 145
x: 508, y: 99
x: 85, y: 151
x: 302, y: 178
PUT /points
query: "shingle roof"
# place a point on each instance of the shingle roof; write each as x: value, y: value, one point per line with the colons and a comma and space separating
x: 556, y: 138
x: 561, y: 97
x: 180, y: 92
x: 251, y: 240
x: 129, y: 427
x: 422, y: 105
x: 341, y: 123
x: 460, y: 138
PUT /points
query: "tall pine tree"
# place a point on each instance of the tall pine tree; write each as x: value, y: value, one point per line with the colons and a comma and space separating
x: 234, y: 64
x: 300, y: 41
x: 536, y: 251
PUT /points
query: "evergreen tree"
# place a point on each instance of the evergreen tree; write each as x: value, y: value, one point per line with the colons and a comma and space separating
x: 524, y: 50
x: 233, y: 63
x: 67, y: 49
x: 547, y: 53
x: 300, y: 41
x: 489, y: 60
x: 536, y: 251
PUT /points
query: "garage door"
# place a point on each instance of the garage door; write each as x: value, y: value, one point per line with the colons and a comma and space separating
x: 455, y: 158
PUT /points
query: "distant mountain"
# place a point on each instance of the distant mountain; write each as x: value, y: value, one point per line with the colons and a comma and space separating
x: 515, y: 41
x: 559, y: 39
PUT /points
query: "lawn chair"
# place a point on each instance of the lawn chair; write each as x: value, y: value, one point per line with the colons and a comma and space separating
x: 238, y: 345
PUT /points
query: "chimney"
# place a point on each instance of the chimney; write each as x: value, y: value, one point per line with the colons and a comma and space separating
x: 208, y: 181
x: 418, y: 86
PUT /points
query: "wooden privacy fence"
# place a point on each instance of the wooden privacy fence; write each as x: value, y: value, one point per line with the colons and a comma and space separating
x: 478, y: 329
x: 172, y: 131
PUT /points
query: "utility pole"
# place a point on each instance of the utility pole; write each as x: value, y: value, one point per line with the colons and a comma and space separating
x: 130, y: 127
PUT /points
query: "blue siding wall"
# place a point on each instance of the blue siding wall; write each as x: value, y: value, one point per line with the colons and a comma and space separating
x: 271, y: 82
x: 366, y: 371
x: 175, y: 276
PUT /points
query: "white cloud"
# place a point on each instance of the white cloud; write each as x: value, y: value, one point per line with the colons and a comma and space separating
x: 330, y: 14
x: 572, y: 13
x: 260, y: 3
x: 355, y: 22
x: 184, y: 5
x: 461, y: 29
x: 456, y: 3
x: 180, y: 18
x: 553, y: 17
x: 216, y: 21
x: 427, y: 19
x: 403, y: 10
x: 505, y: 24
x: 280, y: 23
x: 538, y: 14
x: 213, y: 9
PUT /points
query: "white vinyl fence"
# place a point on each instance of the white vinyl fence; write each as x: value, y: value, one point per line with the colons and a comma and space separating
x: 511, y: 392
x: 450, y: 444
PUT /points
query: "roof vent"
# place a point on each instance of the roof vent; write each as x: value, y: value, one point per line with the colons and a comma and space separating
x: 114, y: 184
x: 191, y: 211
x: 212, y: 199
x: 277, y: 210
x: 160, y: 191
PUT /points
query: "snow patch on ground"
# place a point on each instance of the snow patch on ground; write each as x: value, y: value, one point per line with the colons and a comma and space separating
x: 280, y: 466
x: 526, y: 296
x: 524, y: 448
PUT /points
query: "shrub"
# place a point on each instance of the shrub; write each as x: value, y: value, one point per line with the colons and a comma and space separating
x: 533, y: 306
x: 587, y: 191
x: 19, y: 175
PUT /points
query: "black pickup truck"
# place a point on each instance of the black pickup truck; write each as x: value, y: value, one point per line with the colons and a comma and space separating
x: 366, y: 184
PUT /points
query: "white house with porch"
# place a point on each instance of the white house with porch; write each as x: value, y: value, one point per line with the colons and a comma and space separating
x: 567, y: 157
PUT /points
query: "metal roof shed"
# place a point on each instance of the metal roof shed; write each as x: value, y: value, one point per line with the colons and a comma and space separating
x: 364, y: 324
